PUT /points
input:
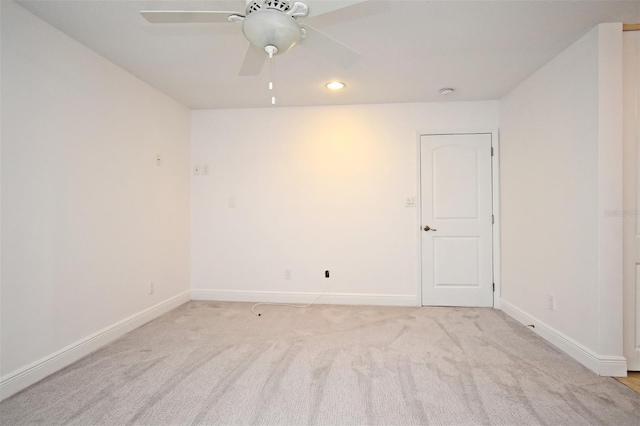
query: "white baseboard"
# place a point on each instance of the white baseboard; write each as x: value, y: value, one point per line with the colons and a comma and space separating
x: 291, y: 297
x: 603, y: 365
x: 22, y: 378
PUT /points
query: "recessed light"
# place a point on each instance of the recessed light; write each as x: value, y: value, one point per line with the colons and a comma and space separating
x: 446, y: 91
x: 335, y: 85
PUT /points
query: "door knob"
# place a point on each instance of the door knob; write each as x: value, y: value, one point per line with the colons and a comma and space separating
x: 427, y: 228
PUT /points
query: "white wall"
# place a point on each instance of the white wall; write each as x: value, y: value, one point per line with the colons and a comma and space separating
x: 88, y: 219
x: 315, y: 189
x: 1, y: 43
x: 561, y: 171
x: 630, y: 216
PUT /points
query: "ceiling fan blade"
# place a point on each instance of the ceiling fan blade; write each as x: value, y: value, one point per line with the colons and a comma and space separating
x: 320, y: 7
x: 353, y: 12
x: 253, y: 61
x: 186, y: 17
x: 328, y: 47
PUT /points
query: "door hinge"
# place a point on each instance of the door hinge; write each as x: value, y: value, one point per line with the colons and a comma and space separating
x: 492, y: 151
x: 493, y: 219
x: 494, y: 287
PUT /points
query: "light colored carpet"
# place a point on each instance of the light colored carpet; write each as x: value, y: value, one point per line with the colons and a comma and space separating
x: 216, y: 363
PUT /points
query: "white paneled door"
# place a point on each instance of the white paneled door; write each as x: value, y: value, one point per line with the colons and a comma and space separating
x: 456, y: 212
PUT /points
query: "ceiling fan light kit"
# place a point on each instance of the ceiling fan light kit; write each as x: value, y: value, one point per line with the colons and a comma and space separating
x: 271, y: 28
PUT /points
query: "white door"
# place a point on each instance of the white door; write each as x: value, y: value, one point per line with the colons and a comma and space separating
x: 456, y: 211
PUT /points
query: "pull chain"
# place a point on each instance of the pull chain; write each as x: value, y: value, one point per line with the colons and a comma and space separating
x: 273, y: 98
x: 271, y: 50
x: 270, y: 72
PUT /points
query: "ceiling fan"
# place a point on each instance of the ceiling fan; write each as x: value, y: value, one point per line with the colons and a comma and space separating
x: 272, y: 28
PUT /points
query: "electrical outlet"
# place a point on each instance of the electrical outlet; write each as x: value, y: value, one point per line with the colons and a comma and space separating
x: 205, y: 169
x: 152, y: 288
x: 287, y: 274
x: 551, y: 302
x: 411, y: 202
x: 232, y: 202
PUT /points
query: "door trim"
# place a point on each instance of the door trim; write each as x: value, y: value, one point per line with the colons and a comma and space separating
x: 495, y: 189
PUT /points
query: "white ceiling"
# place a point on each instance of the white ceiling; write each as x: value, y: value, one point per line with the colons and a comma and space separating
x: 410, y: 49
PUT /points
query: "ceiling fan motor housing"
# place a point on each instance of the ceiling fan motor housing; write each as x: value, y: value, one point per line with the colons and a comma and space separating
x: 269, y: 27
x: 255, y: 5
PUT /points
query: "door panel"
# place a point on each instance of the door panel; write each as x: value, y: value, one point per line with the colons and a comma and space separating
x: 455, y: 191
x: 456, y: 262
x: 456, y: 205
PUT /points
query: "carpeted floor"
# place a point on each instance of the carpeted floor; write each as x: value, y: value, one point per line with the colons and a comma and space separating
x: 216, y: 363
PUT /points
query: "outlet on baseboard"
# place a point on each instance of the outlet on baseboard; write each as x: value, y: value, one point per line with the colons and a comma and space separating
x: 152, y: 288
x: 287, y: 274
x: 551, y: 302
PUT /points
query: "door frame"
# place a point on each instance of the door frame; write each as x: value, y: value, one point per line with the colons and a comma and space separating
x: 495, y: 203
